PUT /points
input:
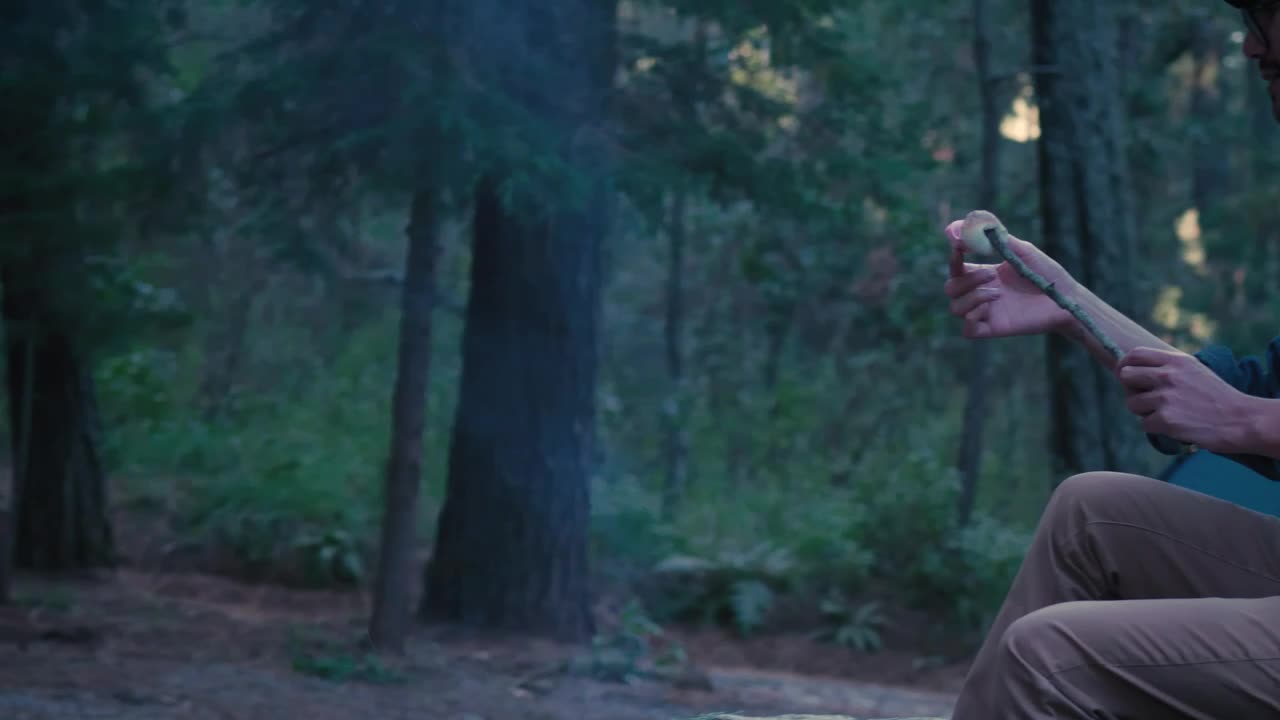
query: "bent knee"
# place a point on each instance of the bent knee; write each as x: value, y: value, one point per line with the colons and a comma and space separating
x: 1044, y: 640
x: 1099, y: 492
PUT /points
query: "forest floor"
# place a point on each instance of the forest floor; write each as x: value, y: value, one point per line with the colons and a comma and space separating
x: 149, y: 644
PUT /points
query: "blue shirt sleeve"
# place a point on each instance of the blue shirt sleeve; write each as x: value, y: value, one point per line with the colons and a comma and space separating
x: 1251, y: 375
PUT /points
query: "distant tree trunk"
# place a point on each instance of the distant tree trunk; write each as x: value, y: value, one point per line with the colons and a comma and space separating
x: 224, y: 352
x: 1087, y: 218
x: 777, y: 326
x: 1262, y: 172
x: 59, y: 499
x: 975, y: 409
x: 686, y: 90
x: 673, y: 417
x: 512, y: 538
x: 231, y: 275
x: 511, y: 548
x: 6, y: 556
x: 392, y: 592
x: 1210, y: 173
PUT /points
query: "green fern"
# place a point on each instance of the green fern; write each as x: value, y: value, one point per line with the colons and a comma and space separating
x: 750, y: 602
x: 857, y: 627
x: 737, y: 587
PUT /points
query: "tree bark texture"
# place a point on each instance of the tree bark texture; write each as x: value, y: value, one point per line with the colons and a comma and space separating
x: 1088, y: 222
x: 676, y: 450
x: 59, y: 483
x: 975, y: 409
x: 1210, y: 172
x: 1262, y: 173
x: 6, y: 556
x: 393, y: 584
x: 511, y: 545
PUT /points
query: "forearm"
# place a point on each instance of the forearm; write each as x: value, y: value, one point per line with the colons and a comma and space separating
x: 1262, y: 429
x: 1124, y: 332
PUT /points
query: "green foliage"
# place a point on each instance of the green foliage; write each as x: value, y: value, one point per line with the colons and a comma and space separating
x: 333, y: 557
x: 53, y: 598
x: 335, y: 662
x: 855, y: 626
x: 135, y: 384
x: 730, y: 586
x: 286, y: 490
x: 628, y: 534
x: 251, y: 172
x: 637, y: 648
x: 969, y: 573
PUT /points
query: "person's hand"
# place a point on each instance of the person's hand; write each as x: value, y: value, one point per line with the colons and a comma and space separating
x: 995, y: 301
x: 1178, y: 396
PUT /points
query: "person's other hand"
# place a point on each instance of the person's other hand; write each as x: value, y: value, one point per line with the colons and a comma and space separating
x: 1178, y: 396
x: 995, y: 301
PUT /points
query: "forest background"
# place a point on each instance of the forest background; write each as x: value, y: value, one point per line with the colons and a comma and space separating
x: 636, y: 290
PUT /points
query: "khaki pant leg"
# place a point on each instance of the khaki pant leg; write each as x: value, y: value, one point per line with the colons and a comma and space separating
x: 1112, y: 536
x: 1205, y: 659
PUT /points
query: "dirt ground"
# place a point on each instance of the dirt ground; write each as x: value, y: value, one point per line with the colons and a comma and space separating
x: 156, y: 640
x: 147, y: 645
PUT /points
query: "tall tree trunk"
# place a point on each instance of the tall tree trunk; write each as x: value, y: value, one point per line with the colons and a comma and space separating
x: 59, y: 484
x: 389, y: 623
x: 686, y: 90
x: 673, y: 416
x: 1262, y: 172
x: 511, y: 544
x: 511, y: 548
x: 231, y: 276
x: 224, y: 352
x: 6, y: 555
x: 1210, y: 172
x: 1087, y: 218
x: 975, y: 410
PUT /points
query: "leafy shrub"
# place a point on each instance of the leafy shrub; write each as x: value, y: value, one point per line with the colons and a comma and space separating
x: 732, y: 587
x: 332, y: 557
x: 335, y: 662
x: 628, y: 534
x: 912, y: 506
x: 855, y: 626
x: 638, y: 648
x: 969, y: 574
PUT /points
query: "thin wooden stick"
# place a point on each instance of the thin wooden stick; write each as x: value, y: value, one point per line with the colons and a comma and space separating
x: 1002, y: 249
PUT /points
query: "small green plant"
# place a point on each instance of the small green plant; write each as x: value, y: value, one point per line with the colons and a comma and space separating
x: 332, y: 557
x: 58, y: 599
x: 343, y: 667
x: 734, y: 587
x: 638, y: 648
x: 750, y: 601
x: 333, y: 662
x: 855, y: 626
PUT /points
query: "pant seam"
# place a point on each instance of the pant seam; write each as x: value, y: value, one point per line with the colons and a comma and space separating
x: 1075, y: 541
x: 1163, y: 664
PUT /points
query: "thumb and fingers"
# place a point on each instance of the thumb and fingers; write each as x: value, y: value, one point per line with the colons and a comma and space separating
x: 966, y: 302
x: 1147, y: 357
x: 977, y: 322
x: 953, y: 236
x: 964, y: 286
x: 959, y: 286
x: 1144, y: 369
x: 963, y: 277
x: 1142, y: 404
